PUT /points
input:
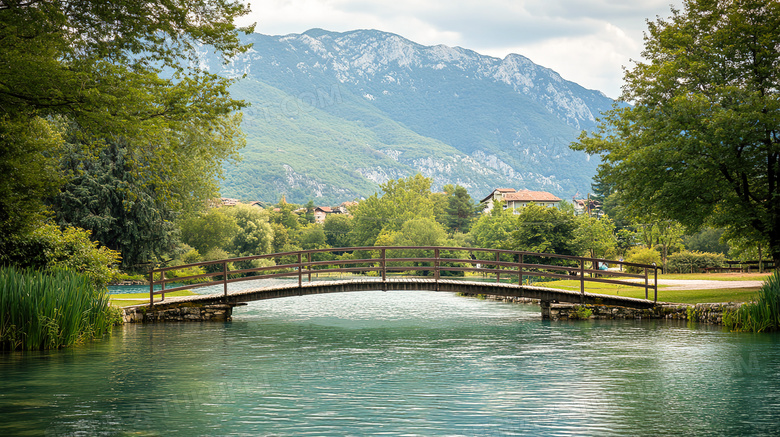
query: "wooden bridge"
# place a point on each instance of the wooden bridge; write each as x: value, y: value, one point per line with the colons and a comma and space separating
x: 452, y: 269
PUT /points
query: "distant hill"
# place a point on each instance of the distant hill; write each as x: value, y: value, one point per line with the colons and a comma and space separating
x: 335, y: 114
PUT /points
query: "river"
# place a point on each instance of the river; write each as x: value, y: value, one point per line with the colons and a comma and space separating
x: 398, y: 363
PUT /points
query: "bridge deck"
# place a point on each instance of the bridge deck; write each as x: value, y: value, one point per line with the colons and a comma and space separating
x: 410, y: 284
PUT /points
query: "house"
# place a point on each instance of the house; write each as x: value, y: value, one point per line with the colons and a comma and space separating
x: 321, y: 212
x: 515, y: 200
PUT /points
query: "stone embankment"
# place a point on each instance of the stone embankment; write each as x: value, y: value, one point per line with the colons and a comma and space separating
x: 184, y: 313
x: 711, y: 313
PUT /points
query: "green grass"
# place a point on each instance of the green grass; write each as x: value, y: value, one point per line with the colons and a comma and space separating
x: 129, y: 299
x: 762, y: 313
x: 677, y: 296
x: 48, y: 310
x: 718, y: 276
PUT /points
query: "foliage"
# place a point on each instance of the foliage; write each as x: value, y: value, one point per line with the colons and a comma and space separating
x: 494, y: 230
x: 312, y: 236
x: 545, y: 230
x: 596, y: 236
x: 581, y: 313
x: 401, y: 200
x: 337, y: 228
x: 214, y: 229
x: 461, y: 210
x: 49, y: 247
x: 97, y: 65
x: 254, y: 234
x: 707, y: 239
x: 28, y: 163
x: 762, y: 314
x: 642, y: 255
x: 701, y: 145
x: 693, y: 261
x: 104, y: 195
x: 48, y: 310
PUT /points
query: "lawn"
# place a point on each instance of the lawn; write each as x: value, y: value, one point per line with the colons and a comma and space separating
x: 129, y: 299
x: 726, y: 294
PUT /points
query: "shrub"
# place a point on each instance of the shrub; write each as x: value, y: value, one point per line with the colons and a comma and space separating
x: 642, y: 256
x: 48, y: 310
x: 49, y: 247
x: 692, y: 261
x: 762, y: 314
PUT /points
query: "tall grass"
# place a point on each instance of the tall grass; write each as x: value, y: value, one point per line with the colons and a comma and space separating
x: 50, y: 309
x: 762, y: 314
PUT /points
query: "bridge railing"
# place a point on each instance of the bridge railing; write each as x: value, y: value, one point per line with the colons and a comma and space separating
x: 432, y: 262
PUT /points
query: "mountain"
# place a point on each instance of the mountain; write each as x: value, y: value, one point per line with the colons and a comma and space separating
x: 335, y: 114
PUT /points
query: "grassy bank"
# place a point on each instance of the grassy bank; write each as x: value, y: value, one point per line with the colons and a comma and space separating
x: 48, y: 310
x: 714, y: 295
x: 128, y: 299
x: 762, y: 313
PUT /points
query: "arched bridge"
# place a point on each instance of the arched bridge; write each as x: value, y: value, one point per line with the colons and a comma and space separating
x: 453, y: 269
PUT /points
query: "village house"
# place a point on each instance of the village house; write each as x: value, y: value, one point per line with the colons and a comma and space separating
x: 321, y: 212
x: 515, y: 200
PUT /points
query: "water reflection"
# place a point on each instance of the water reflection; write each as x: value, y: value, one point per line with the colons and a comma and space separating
x: 398, y: 363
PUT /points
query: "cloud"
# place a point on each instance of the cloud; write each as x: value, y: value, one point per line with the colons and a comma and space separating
x: 586, y: 41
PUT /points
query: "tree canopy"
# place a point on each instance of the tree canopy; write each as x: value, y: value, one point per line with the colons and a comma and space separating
x: 117, y: 72
x: 701, y: 143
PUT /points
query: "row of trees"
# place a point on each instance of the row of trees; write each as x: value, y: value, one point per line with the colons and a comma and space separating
x: 407, y: 213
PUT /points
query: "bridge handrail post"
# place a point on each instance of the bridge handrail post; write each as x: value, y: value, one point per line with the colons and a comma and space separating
x: 655, y: 283
x: 498, y: 267
x: 383, y: 264
x: 520, y: 270
x: 582, y: 280
x: 162, y: 279
x: 647, y: 284
x: 300, y: 270
x: 224, y: 277
x: 436, y: 266
x: 308, y: 257
x: 151, y: 287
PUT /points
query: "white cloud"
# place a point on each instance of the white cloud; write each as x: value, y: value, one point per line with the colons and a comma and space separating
x: 586, y: 41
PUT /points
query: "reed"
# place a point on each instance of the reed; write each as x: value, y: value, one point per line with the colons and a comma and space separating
x: 51, y: 309
x: 760, y: 315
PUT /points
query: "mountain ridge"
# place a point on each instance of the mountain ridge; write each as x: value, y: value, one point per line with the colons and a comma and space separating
x: 398, y: 108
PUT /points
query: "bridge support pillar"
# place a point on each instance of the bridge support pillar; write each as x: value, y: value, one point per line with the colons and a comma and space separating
x: 545, y: 304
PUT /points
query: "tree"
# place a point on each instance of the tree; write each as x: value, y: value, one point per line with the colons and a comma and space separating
x: 707, y: 240
x: 337, y: 229
x: 701, y: 144
x: 545, y: 230
x: 596, y: 236
x: 255, y: 235
x: 215, y: 229
x: 401, y: 200
x: 102, y: 195
x: 97, y: 65
x: 493, y: 230
x: 460, y: 211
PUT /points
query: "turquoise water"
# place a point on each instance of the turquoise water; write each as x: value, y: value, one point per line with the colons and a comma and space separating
x: 398, y: 363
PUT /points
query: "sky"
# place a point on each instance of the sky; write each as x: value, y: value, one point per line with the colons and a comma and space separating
x: 586, y: 41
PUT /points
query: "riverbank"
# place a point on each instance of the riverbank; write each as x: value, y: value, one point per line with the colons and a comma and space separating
x: 711, y: 313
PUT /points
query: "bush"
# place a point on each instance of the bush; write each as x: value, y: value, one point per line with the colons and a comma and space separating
x: 642, y: 256
x: 49, y: 247
x: 48, y: 310
x: 763, y: 314
x: 692, y: 261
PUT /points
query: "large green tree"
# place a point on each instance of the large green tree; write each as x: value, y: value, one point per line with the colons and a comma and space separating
x: 701, y: 143
x: 98, y: 65
x: 401, y: 200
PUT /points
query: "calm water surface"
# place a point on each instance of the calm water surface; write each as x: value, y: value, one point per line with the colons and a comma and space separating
x: 398, y: 363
